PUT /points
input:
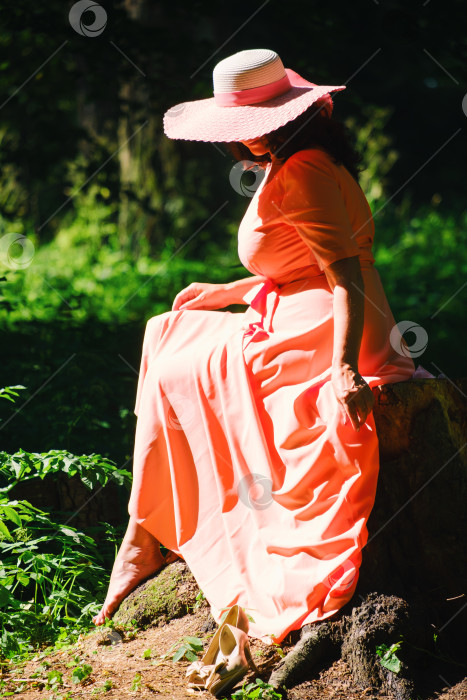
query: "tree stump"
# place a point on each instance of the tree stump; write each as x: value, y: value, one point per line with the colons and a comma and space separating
x: 170, y: 594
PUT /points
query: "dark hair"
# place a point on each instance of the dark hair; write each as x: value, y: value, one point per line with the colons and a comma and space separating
x: 311, y: 128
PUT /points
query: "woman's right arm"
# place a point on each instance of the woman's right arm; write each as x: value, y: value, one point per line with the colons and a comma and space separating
x: 202, y: 295
x: 240, y: 288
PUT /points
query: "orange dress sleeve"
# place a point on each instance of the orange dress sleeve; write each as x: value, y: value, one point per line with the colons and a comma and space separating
x: 314, y: 205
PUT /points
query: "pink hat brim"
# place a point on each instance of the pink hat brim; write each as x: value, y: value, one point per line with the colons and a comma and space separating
x: 205, y: 120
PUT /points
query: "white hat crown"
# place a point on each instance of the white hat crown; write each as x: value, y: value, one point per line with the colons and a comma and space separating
x: 247, y: 69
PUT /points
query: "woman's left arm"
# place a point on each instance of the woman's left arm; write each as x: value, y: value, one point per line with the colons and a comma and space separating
x: 353, y: 393
x: 313, y: 203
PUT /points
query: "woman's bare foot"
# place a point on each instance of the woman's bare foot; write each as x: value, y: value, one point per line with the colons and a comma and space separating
x: 139, y: 556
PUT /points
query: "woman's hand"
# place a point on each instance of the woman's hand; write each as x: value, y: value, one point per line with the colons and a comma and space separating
x: 353, y: 394
x: 202, y: 295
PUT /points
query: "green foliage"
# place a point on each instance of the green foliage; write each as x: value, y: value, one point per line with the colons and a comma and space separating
x: 422, y: 260
x: 90, y: 400
x: 388, y: 657
x: 81, y: 673
x: 375, y: 144
x: 104, y: 688
x: 54, y: 679
x: 50, y: 572
x: 136, y: 682
x: 259, y: 690
x: 200, y: 597
x: 85, y: 272
x: 93, y: 470
x: 9, y: 392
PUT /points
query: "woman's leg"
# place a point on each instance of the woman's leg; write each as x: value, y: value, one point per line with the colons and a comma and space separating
x: 139, y: 556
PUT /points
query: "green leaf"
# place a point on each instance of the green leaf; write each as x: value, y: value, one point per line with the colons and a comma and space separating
x: 22, y: 578
x: 70, y: 533
x: 388, y: 657
x: 194, y: 642
x: 4, y: 530
x: 179, y: 654
x: 392, y: 663
x: 136, y: 683
x: 11, y: 514
x: 54, y: 678
x: 80, y: 673
x: 5, y: 596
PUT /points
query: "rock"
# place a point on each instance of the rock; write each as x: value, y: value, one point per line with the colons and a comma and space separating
x: 170, y: 594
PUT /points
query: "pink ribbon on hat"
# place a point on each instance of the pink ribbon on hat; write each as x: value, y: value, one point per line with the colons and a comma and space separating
x: 253, y: 95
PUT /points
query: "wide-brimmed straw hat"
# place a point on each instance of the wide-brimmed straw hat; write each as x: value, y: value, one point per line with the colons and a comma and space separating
x: 253, y: 95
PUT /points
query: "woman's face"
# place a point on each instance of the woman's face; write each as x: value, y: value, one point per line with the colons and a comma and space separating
x: 257, y: 146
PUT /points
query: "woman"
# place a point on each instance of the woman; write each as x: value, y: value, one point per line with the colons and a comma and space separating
x: 256, y: 455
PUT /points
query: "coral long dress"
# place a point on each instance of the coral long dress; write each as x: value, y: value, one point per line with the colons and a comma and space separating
x: 243, y: 463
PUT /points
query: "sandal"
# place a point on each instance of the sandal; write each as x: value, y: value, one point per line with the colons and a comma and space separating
x: 233, y: 660
x: 199, y: 671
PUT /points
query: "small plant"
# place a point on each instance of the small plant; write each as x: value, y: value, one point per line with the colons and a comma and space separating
x: 136, y: 683
x: 277, y: 646
x: 259, y: 690
x: 388, y: 657
x: 147, y: 653
x: 198, y: 600
x: 81, y: 673
x: 103, y: 689
x: 187, y: 648
x: 54, y: 680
